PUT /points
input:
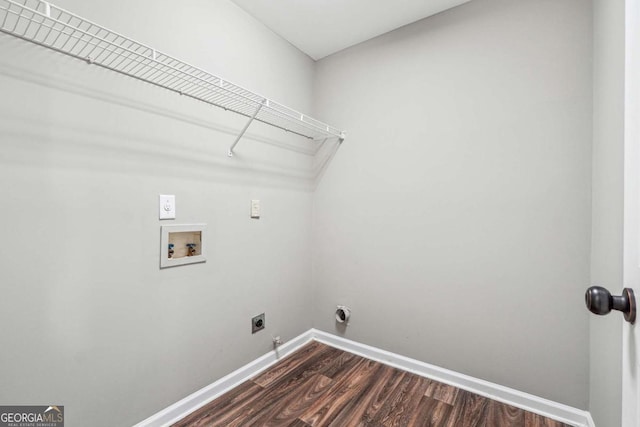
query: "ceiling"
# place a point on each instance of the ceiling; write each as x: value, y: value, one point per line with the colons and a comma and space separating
x: 322, y: 27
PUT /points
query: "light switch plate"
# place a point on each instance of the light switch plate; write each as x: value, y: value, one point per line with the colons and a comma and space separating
x: 167, y: 206
x: 255, y: 209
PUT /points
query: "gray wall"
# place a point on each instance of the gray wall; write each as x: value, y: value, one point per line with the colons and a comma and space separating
x: 89, y: 320
x: 455, y: 219
x: 608, y: 168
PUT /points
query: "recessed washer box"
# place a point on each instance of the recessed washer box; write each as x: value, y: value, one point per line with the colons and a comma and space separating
x: 182, y: 244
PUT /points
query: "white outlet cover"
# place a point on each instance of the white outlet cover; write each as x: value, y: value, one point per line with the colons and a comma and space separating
x: 255, y: 209
x: 167, y: 207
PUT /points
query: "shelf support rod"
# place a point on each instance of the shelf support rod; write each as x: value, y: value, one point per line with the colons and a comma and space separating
x: 47, y: 9
x: 242, y: 132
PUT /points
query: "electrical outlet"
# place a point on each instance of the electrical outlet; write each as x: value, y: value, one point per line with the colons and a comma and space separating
x: 167, y: 206
x: 257, y: 323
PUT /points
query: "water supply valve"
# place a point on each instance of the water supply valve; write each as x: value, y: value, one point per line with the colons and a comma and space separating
x: 192, y: 249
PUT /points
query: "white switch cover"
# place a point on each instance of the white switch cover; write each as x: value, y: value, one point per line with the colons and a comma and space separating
x: 255, y: 209
x: 167, y: 207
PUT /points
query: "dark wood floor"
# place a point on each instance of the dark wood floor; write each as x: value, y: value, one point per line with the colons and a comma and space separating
x: 323, y: 386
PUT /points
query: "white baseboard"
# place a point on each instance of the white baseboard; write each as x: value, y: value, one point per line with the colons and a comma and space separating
x: 196, y: 400
x: 528, y: 402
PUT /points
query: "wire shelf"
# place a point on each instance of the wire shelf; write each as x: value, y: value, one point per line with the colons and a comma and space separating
x: 49, y: 26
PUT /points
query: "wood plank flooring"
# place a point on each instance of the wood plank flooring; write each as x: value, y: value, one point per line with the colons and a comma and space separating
x: 323, y: 386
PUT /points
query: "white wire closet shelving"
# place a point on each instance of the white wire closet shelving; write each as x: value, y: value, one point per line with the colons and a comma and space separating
x: 47, y: 25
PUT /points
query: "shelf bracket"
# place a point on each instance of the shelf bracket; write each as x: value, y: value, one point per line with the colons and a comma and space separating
x: 242, y: 132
